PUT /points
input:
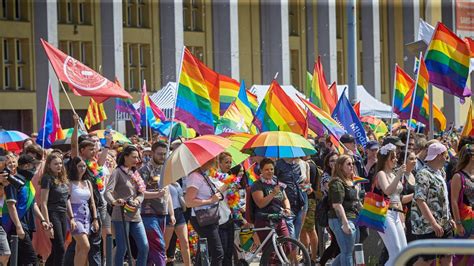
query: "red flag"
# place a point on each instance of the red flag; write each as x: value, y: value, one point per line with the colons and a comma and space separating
x: 333, y: 91
x: 357, y: 108
x: 82, y: 80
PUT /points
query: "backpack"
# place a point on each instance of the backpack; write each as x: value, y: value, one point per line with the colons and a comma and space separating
x: 322, y: 210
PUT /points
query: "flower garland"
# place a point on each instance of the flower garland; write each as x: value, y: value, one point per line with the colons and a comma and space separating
x: 98, y: 174
x: 232, y: 193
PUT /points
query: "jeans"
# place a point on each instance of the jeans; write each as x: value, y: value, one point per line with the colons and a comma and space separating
x: 295, y: 224
x: 155, y: 233
x: 137, y: 230
x: 394, y: 236
x: 95, y: 251
x: 211, y: 232
x: 345, y: 241
x: 59, y: 221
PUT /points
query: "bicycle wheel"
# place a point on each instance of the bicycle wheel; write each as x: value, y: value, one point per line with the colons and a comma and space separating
x: 291, y: 251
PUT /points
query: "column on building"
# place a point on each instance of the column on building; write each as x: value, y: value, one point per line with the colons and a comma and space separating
x: 45, y: 26
x: 172, y: 39
x: 327, y: 42
x: 112, y: 59
x: 310, y: 36
x: 371, y: 55
x: 275, y: 41
x: 225, y: 27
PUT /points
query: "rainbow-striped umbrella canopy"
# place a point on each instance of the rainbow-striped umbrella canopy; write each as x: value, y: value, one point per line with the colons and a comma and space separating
x: 12, y: 140
x: 191, y: 155
x: 238, y: 142
x: 67, y: 132
x: 278, y: 144
x: 179, y: 129
x: 116, y: 136
x: 377, y: 125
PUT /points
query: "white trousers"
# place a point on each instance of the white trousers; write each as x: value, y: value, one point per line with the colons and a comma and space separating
x: 394, y: 237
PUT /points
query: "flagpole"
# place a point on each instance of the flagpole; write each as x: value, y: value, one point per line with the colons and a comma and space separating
x: 411, y: 112
x: 430, y: 98
x: 146, y: 111
x: 393, y: 97
x: 45, y: 112
x: 175, y: 100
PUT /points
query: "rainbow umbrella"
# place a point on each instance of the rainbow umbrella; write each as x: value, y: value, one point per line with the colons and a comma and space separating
x: 377, y: 125
x: 12, y: 140
x: 179, y: 129
x: 116, y: 136
x: 238, y: 142
x: 278, y: 144
x: 67, y: 133
x: 191, y: 155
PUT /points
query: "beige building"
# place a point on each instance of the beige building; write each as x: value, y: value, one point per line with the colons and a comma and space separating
x: 136, y: 40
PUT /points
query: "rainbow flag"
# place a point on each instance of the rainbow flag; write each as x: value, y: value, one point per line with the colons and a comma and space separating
x: 319, y: 94
x: 325, y: 119
x: 333, y: 92
x: 360, y: 180
x: 229, y: 89
x: 447, y: 60
x: 251, y: 174
x: 193, y: 103
x: 232, y: 121
x: 211, y: 81
x: 126, y: 106
x: 403, y: 83
x: 242, y: 102
x: 468, y: 126
x: 421, y: 86
x: 253, y: 101
x: 24, y: 201
x: 149, y: 112
x: 51, y: 126
x: 95, y: 114
x: 278, y: 112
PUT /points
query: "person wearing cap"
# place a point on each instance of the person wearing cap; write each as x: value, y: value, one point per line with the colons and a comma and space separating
x: 431, y: 217
x: 420, y: 157
x: 351, y: 149
x: 157, y: 204
x: 395, y: 141
x: 147, y: 154
x: 22, y: 208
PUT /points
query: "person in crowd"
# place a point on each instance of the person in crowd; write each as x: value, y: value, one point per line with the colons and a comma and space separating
x: 269, y: 197
x: 333, y: 249
x: 54, y: 200
x: 125, y: 192
x: 288, y: 171
x: 202, y: 194
x: 430, y: 216
x: 12, y: 163
x: 26, y: 143
x: 351, y: 149
x: 390, y: 184
x: 4, y: 246
x: 344, y: 206
x: 157, y: 205
x: 86, y: 149
x: 408, y: 182
x: 450, y: 167
x: 179, y: 227
x: 462, y: 194
x: 420, y: 160
x: 226, y: 221
x: 18, y: 217
x: 309, y: 236
x: 147, y: 154
x: 370, y: 161
x: 83, y: 212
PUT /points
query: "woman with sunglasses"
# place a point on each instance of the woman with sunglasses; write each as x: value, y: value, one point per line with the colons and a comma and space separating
x: 389, y: 183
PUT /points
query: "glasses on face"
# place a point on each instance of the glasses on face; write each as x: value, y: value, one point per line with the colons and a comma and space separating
x: 82, y: 166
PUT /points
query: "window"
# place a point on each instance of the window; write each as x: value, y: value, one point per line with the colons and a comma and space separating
x: 18, y: 51
x: 293, y: 19
x: 17, y: 10
x: 198, y: 52
x: 81, y: 13
x: 19, y: 77
x: 6, y: 79
x: 83, y: 53
x: 136, y: 65
x: 193, y: 15
x: 130, y: 54
x: 129, y: 15
x: 132, y: 79
x: 295, y: 69
x: 68, y: 11
x: 141, y: 55
x: 142, y: 77
x: 6, y: 56
x: 140, y: 16
x: 70, y: 49
x: 4, y: 9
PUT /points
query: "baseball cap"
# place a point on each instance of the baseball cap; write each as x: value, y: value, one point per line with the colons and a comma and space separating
x: 147, y: 149
x: 373, y: 144
x: 346, y: 138
x: 394, y: 140
x: 434, y: 150
x: 26, y: 159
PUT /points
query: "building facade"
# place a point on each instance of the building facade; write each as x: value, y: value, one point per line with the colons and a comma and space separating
x: 137, y: 40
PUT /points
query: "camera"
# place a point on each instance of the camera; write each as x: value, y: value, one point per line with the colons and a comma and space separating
x: 13, y: 179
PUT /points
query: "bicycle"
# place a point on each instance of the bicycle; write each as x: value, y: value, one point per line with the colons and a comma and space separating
x: 276, y: 252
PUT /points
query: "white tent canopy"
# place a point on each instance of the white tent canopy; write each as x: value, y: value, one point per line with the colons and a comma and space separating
x: 369, y: 105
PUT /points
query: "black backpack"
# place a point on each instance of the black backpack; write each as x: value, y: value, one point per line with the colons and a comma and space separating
x: 322, y: 210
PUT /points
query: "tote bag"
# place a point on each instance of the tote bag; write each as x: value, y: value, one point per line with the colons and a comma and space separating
x: 374, y: 211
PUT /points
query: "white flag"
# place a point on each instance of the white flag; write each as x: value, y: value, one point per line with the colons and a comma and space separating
x: 425, y: 31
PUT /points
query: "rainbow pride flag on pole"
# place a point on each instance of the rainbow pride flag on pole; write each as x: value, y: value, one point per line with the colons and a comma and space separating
x: 211, y: 82
x: 51, y: 130
x: 278, y: 112
x: 403, y: 83
x: 193, y: 103
x: 229, y: 89
x: 149, y: 112
x: 468, y: 126
x: 447, y: 60
x: 319, y: 92
x: 126, y: 106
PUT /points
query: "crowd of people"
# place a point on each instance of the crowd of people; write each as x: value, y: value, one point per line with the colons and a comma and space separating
x: 62, y: 204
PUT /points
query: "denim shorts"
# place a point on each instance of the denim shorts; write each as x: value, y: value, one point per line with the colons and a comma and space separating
x: 178, y: 215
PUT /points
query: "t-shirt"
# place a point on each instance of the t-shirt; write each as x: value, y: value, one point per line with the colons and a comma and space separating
x: 340, y: 192
x: 153, y: 206
x: 19, y: 195
x: 196, y: 180
x: 58, y: 194
x: 275, y: 205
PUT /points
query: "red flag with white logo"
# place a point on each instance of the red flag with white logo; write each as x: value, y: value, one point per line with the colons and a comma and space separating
x: 82, y: 80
